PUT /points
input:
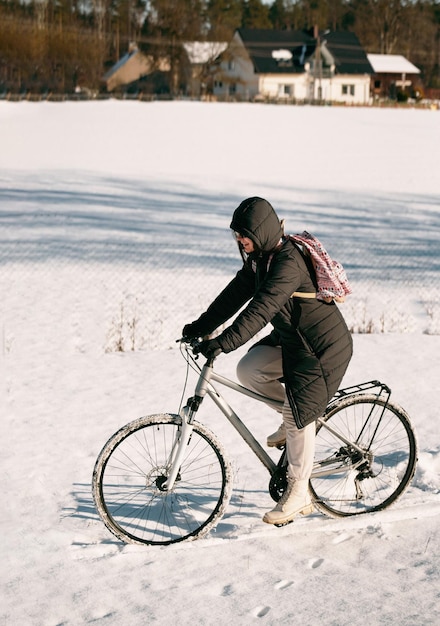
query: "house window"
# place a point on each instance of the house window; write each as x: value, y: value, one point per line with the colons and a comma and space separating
x: 228, y: 65
x: 348, y: 90
x: 218, y: 84
x: 285, y: 90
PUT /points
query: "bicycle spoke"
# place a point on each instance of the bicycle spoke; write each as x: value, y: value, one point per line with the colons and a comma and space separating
x: 349, y: 481
x: 131, y: 470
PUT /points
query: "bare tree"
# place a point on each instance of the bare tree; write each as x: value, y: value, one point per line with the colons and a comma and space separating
x: 172, y: 22
x: 54, y: 42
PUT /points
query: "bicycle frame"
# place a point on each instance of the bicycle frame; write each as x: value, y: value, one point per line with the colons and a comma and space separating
x: 205, y: 387
x: 233, y: 418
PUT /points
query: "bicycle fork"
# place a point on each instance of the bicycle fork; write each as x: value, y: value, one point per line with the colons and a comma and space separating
x: 178, y: 452
x: 183, y: 437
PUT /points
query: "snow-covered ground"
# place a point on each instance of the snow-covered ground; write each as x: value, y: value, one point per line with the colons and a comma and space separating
x: 114, y: 221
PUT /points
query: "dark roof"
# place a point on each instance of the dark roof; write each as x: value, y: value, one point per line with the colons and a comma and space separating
x: 350, y: 57
x: 345, y: 48
x: 260, y: 43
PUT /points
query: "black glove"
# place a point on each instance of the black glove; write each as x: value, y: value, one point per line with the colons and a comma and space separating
x: 193, y: 330
x: 210, y: 348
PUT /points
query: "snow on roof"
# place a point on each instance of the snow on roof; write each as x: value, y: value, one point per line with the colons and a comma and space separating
x: 204, y: 51
x: 282, y: 55
x: 392, y: 64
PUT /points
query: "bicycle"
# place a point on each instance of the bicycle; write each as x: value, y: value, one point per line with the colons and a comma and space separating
x: 165, y: 478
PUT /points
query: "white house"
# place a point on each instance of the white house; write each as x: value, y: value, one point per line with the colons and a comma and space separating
x: 201, y: 57
x: 294, y: 65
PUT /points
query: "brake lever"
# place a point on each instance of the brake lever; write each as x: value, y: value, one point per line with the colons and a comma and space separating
x: 193, y: 343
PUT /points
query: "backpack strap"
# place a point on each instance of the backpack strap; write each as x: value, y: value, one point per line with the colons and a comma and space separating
x: 300, y: 248
x: 303, y: 294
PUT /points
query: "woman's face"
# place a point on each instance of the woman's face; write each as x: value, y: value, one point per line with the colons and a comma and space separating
x: 248, y: 244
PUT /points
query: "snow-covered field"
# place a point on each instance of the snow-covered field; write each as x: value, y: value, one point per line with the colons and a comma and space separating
x: 114, y: 221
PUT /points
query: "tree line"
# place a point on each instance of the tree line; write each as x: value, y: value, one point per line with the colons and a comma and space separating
x: 58, y: 45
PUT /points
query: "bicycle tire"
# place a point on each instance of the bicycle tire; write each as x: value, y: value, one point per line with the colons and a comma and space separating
x: 354, y: 486
x: 129, y: 473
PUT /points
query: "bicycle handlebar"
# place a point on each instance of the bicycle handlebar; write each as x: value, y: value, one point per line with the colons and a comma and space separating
x: 194, y: 345
x: 193, y: 342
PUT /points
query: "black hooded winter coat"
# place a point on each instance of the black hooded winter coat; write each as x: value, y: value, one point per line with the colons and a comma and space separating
x: 316, y: 343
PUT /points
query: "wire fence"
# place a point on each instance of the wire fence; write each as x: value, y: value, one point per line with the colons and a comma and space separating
x: 142, y: 300
x: 102, y: 272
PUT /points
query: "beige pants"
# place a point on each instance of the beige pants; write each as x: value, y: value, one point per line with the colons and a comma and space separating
x: 260, y: 370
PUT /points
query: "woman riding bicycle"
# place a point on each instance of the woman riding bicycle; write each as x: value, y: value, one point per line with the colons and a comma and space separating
x: 301, y: 362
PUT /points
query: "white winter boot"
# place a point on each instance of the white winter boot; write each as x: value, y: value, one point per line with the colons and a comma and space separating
x: 278, y: 438
x: 294, y: 501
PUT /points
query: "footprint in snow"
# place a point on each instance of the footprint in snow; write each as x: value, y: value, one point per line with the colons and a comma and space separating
x: 283, y: 584
x: 227, y: 590
x: 261, y: 611
x: 342, y: 537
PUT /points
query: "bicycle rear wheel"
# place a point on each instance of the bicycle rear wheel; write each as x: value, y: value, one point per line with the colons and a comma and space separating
x: 347, y: 481
x: 131, y: 470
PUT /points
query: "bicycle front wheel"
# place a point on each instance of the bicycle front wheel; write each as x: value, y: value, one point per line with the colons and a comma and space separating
x: 371, y: 471
x: 132, y: 468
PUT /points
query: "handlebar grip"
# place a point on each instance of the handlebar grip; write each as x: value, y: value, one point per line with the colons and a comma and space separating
x: 191, y: 341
